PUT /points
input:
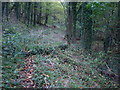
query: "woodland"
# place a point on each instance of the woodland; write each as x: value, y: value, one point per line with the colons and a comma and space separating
x: 60, y: 45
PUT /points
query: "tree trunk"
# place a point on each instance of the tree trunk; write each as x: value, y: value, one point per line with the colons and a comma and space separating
x: 17, y: 9
x: 29, y: 5
x: 25, y: 13
x: 86, y: 34
x: 46, y: 15
x: 46, y: 19
x: 107, y: 39
x: 39, y: 20
x: 31, y: 15
x: 74, y: 19
x: 69, y: 24
x: 7, y: 10
x: 35, y: 13
x: 3, y: 8
x: 118, y: 28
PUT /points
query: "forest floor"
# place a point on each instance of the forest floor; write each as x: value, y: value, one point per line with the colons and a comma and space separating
x: 69, y: 68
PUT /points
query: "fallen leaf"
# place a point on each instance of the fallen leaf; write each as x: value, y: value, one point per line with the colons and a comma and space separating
x: 80, y: 87
x: 29, y: 77
x: 45, y: 75
x: 51, y: 70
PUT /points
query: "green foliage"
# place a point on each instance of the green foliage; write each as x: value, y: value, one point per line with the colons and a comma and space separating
x: 71, y: 67
x: 9, y: 73
x: 63, y: 74
x: 13, y: 43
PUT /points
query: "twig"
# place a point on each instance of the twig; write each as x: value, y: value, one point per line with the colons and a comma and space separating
x: 46, y: 82
x: 110, y: 69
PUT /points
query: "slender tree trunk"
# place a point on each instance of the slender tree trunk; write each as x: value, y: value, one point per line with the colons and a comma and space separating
x: 20, y: 12
x: 40, y: 14
x: 69, y: 24
x: 107, y: 32
x: 118, y: 28
x: 86, y: 34
x: 46, y: 15
x: 29, y: 5
x: 31, y: 16
x: 3, y: 8
x: 17, y: 8
x: 7, y: 10
x: 25, y: 13
x: 46, y: 19
x: 74, y: 19
x: 35, y: 13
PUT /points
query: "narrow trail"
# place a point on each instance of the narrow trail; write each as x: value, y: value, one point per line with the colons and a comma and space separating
x: 27, y: 73
x: 49, y: 37
x: 45, y: 38
x: 61, y: 66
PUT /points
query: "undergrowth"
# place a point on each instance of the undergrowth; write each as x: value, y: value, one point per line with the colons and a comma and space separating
x: 62, y: 68
x: 14, y: 42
